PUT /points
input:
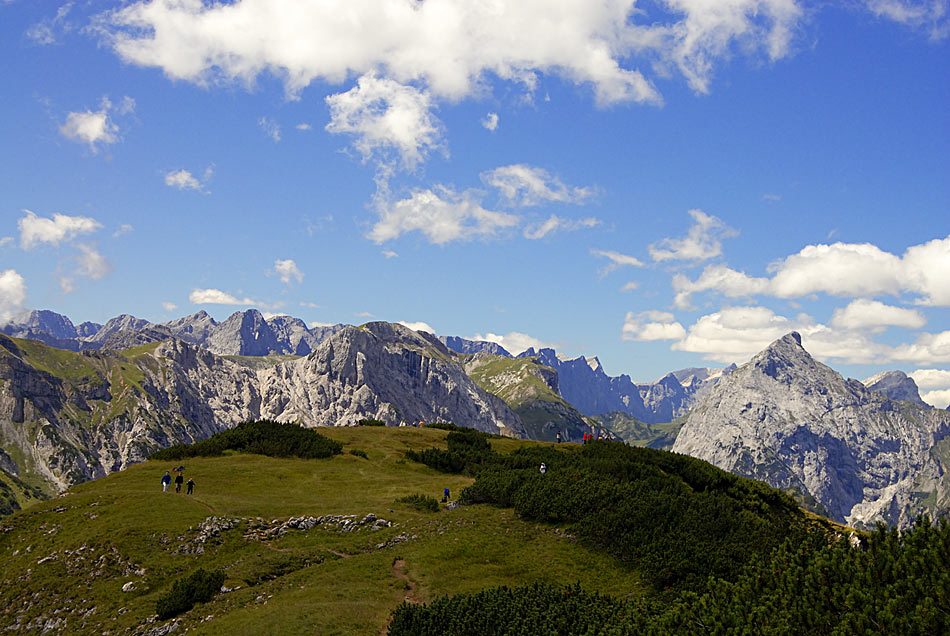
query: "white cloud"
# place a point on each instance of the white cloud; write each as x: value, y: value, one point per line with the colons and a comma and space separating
x: 92, y: 264
x: 522, y: 185
x: 876, y: 316
x: 49, y: 30
x: 270, y: 127
x: 490, y: 122
x: 702, y: 243
x: 726, y: 281
x: 556, y: 223
x: 652, y: 325
x: 931, y: 378
x: 840, y: 269
x: 6, y: 240
x: 364, y: 314
x: 389, y: 254
x: 931, y: 15
x: 418, y: 326
x: 630, y: 286
x: 304, y: 126
x: 386, y: 116
x: 939, y: 398
x: 169, y: 306
x: 96, y: 127
x: 442, y: 215
x: 616, y: 260
x: 216, y: 297
x: 35, y: 229
x: 317, y: 323
x: 183, y: 180
x: 287, y: 269
x: 513, y: 341
x: 12, y: 294
x: 929, y: 348
x: 309, y: 304
x: 125, y: 228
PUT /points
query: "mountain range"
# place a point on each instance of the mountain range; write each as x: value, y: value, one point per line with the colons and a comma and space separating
x: 856, y: 452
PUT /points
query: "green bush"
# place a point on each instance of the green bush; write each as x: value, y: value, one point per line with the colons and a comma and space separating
x: 263, y: 437
x: 371, y: 422
x: 199, y: 587
x: 420, y: 502
x: 359, y: 453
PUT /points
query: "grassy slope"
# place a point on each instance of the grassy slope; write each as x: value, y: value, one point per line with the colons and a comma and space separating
x: 637, y: 433
x: 326, y: 582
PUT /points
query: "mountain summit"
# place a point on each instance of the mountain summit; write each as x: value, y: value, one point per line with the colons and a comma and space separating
x: 791, y: 421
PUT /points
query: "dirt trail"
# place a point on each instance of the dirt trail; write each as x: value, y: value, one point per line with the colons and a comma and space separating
x: 399, y: 571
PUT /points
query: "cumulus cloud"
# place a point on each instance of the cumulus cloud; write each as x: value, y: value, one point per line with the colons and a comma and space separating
x: 720, y: 278
x: 12, y: 294
x: 287, y: 269
x: 169, y: 306
x: 840, y: 269
x: 616, y: 259
x: 522, y: 185
x: 96, y: 128
x: 389, y: 254
x: 876, y: 316
x: 490, y: 122
x: 935, y: 384
x: 91, y: 263
x: 418, y: 326
x: 513, y: 341
x: 441, y: 214
x: 555, y: 223
x: 183, y: 180
x: 928, y: 348
x: 386, y: 116
x: 304, y: 126
x: 939, y: 398
x: 125, y: 228
x: 60, y: 227
x: 652, y: 325
x: 704, y: 240
x: 216, y: 297
x: 630, y: 286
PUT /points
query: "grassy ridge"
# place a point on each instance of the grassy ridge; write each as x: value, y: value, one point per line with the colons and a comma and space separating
x: 123, y: 529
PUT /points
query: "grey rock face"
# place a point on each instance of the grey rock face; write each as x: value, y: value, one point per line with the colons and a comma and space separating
x: 244, y: 333
x: 123, y: 322
x: 462, y: 345
x: 786, y: 419
x: 896, y: 385
x: 292, y: 335
x: 194, y: 329
x: 115, y: 407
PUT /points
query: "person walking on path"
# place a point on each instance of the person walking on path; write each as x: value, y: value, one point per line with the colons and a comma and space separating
x: 191, y: 486
x: 544, y: 468
x: 559, y: 437
x: 179, y: 480
x: 166, y: 479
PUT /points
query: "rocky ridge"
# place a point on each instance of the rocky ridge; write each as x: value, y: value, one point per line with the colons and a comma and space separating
x: 69, y: 417
x: 798, y: 425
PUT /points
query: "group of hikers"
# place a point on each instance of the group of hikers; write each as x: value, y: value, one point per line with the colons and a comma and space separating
x: 179, y: 480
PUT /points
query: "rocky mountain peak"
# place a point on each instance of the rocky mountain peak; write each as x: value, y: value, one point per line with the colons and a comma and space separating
x: 244, y: 333
x: 895, y: 385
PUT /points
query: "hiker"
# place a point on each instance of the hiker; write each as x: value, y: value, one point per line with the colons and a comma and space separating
x: 445, y: 496
x: 559, y: 437
x: 166, y: 479
x: 544, y: 468
x: 179, y: 480
x: 191, y: 486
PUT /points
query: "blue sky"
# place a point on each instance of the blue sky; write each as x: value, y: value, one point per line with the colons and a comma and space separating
x: 661, y: 184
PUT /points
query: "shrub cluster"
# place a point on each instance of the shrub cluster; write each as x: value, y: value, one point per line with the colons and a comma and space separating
x: 199, y: 587
x: 263, y: 437
x: 371, y: 422
x: 420, y: 502
x: 893, y: 583
x: 359, y: 453
x: 468, y: 451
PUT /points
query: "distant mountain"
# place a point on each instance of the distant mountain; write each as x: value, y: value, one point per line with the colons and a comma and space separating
x: 790, y: 421
x: 896, y: 385
x: 531, y: 390
x: 68, y: 417
x: 461, y: 345
x: 243, y: 333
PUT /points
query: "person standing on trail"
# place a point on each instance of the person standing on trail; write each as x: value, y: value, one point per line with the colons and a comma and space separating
x: 559, y: 437
x: 191, y: 486
x: 179, y: 480
x: 544, y: 468
x: 166, y: 479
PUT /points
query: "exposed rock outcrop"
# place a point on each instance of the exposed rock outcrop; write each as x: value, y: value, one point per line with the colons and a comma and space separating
x: 790, y: 421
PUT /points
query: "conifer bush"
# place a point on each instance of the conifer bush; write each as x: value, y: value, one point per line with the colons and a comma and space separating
x: 263, y: 437
x: 199, y: 587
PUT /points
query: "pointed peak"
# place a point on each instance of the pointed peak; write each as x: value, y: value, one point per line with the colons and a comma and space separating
x: 793, y: 336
